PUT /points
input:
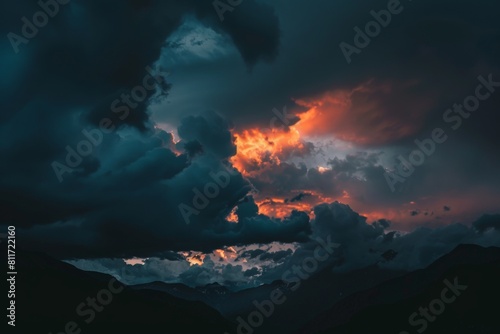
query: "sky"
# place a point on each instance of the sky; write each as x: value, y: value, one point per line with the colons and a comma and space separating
x: 194, y: 142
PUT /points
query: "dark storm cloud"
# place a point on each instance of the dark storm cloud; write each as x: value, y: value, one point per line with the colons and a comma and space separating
x: 171, y: 256
x: 399, y: 86
x: 384, y: 223
x: 298, y: 198
x: 213, y: 132
x: 91, y: 52
x: 360, y: 174
x: 360, y: 245
x: 123, y: 199
x: 251, y: 272
x: 415, y: 49
x: 363, y: 244
x: 276, y: 256
x: 247, y: 208
x: 487, y: 222
x: 130, y: 205
x: 253, y: 28
x: 252, y: 253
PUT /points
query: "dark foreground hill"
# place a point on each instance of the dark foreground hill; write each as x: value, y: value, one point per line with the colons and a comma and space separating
x: 394, y: 306
x: 55, y: 297
x: 52, y: 297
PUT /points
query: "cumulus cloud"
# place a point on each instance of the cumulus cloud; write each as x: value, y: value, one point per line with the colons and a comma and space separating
x: 361, y: 244
x: 122, y: 199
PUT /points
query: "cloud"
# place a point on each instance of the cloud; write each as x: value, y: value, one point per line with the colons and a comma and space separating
x: 369, y: 114
x: 487, y: 222
x: 276, y: 256
x: 251, y: 272
x: 122, y: 200
x: 361, y: 244
x: 129, y: 206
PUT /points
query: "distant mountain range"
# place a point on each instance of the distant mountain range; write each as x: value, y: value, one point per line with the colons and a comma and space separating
x: 371, y: 300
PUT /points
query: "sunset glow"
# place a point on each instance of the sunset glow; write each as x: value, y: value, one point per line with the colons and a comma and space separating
x: 257, y: 149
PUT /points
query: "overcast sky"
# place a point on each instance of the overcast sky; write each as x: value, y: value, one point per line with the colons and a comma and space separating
x: 303, y: 141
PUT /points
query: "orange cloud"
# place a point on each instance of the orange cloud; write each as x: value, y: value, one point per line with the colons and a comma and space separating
x: 232, y: 217
x: 370, y: 114
x: 280, y: 207
x: 256, y: 149
x: 195, y: 259
x: 226, y: 254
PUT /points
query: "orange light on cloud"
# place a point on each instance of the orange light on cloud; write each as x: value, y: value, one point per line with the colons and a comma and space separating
x: 323, y: 112
x: 220, y: 253
x: 369, y: 114
x: 134, y: 261
x: 256, y: 149
x: 232, y: 217
x: 195, y: 259
x: 228, y: 253
x: 280, y: 208
x: 277, y: 207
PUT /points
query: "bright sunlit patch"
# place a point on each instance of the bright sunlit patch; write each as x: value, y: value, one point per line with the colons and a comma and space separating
x: 322, y: 169
x: 225, y: 254
x: 232, y: 217
x: 256, y: 149
x: 278, y: 208
x: 220, y: 253
x: 194, y: 258
x: 134, y: 261
x: 282, y: 207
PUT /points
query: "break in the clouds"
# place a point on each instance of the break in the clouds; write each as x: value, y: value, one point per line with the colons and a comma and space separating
x: 361, y: 244
x: 265, y: 96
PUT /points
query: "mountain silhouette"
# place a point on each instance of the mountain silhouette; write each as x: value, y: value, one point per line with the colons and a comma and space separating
x: 50, y: 291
